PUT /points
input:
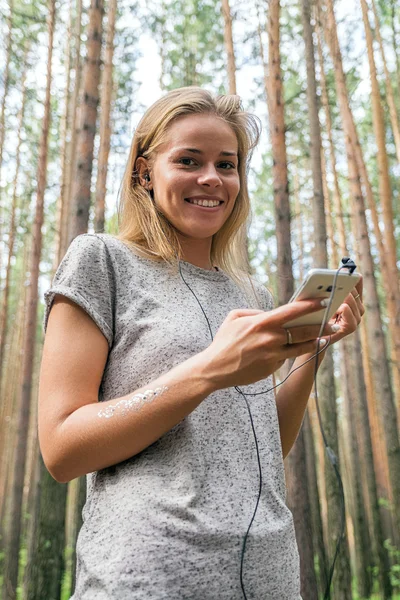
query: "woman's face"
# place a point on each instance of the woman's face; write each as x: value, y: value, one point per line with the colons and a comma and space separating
x: 197, y: 162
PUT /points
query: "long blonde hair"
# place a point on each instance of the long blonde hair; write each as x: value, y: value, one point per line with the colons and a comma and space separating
x: 144, y: 228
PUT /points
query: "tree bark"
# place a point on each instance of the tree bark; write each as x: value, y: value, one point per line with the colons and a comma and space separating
x: 71, y: 150
x: 45, y: 567
x: 11, y: 563
x: 228, y: 38
x: 105, y: 124
x: 6, y: 80
x: 389, y: 87
x: 385, y: 197
x: 11, y: 235
x: 376, y: 340
x: 62, y: 202
x: 298, y: 499
x: 342, y: 578
x: 81, y: 195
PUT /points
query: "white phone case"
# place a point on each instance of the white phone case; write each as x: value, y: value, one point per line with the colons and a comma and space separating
x: 318, y: 284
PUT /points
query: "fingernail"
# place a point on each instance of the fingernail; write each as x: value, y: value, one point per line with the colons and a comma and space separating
x: 335, y: 328
x: 323, y: 343
x: 325, y: 302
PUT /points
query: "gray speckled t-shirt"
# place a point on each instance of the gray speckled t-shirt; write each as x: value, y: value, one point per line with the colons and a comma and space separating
x: 169, y: 522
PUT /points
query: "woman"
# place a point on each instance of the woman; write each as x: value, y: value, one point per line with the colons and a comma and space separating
x: 159, y: 325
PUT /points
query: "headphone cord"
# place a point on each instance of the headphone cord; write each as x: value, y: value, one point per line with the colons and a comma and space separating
x: 331, y: 455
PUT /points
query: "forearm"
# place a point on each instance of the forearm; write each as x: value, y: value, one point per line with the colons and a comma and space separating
x: 291, y: 400
x: 88, y: 442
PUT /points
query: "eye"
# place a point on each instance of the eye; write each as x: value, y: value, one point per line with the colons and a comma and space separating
x: 185, y: 164
x: 231, y: 165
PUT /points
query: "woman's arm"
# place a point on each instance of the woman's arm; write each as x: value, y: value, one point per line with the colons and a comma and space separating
x: 292, y: 396
x: 78, y: 434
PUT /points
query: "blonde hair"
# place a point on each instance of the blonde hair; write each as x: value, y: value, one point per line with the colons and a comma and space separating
x: 144, y: 228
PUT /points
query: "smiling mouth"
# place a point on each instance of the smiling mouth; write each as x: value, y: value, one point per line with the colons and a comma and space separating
x: 204, y: 203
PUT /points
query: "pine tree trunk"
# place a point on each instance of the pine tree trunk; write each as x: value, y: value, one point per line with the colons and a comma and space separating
x: 278, y: 145
x: 379, y: 366
x: 296, y: 461
x: 81, y: 195
x: 11, y: 563
x: 47, y: 543
x: 363, y: 555
x: 364, y: 444
x: 228, y: 38
x: 6, y: 83
x: 389, y: 87
x: 62, y: 203
x: 317, y: 528
x: 11, y: 233
x: 105, y: 124
x: 347, y: 348
x: 393, y: 5
x: 71, y: 150
x: 385, y: 197
x: 358, y: 414
x: 342, y: 578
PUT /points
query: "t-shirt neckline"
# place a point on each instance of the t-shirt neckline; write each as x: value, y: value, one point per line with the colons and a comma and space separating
x: 199, y: 272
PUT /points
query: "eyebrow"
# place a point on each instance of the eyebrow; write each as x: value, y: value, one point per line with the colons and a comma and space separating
x: 196, y: 151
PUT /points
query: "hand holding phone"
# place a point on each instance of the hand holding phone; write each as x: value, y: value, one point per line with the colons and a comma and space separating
x: 318, y: 283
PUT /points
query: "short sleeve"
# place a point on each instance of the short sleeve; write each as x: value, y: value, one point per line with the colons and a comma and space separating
x: 85, y: 276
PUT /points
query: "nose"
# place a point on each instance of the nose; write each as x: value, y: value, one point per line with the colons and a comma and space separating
x: 209, y: 176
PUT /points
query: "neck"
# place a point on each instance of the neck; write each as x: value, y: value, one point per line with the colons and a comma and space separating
x: 197, y: 252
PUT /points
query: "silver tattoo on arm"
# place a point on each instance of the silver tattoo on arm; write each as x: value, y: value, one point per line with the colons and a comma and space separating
x: 132, y: 404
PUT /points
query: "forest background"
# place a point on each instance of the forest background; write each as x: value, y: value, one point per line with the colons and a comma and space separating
x: 325, y: 81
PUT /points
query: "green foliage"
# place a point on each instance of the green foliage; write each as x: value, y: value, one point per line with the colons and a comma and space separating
x: 394, y: 555
x: 191, y: 42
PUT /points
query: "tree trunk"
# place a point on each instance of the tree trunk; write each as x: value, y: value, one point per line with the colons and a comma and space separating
x: 87, y: 128
x: 10, y: 388
x: 11, y: 235
x: 13, y: 539
x: 65, y: 125
x: 71, y: 150
x: 278, y: 145
x: 296, y: 461
x: 299, y: 504
x: 6, y: 83
x: 105, y: 124
x: 364, y: 444
x: 228, y: 38
x: 376, y: 340
x: 342, y: 578
x: 363, y: 555
x: 358, y: 415
x: 47, y: 541
x: 317, y: 528
x: 389, y: 87
x: 385, y: 197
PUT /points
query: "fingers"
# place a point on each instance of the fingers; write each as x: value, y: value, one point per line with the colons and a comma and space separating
x: 359, y: 288
x: 298, y: 349
x: 358, y: 299
x: 287, y: 312
x: 354, y: 306
x: 302, y: 334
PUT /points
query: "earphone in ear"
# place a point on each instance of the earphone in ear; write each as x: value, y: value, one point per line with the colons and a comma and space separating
x: 147, y: 177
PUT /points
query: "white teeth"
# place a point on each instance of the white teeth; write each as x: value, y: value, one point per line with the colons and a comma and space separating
x: 209, y: 203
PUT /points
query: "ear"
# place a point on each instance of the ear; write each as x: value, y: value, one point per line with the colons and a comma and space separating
x: 142, y: 169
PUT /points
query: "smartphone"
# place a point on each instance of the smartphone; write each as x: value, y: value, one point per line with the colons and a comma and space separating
x: 318, y: 283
